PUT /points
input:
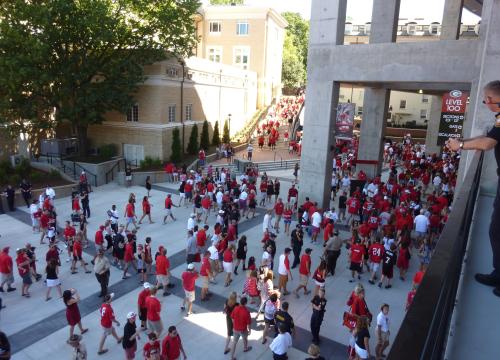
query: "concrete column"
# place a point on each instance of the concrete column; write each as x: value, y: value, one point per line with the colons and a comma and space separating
x: 326, y: 31
x: 452, y: 17
x: 431, y: 137
x: 370, y: 150
x: 384, y: 25
x: 480, y: 119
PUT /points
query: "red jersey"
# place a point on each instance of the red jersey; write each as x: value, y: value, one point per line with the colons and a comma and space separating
x: 69, y: 231
x: 44, y: 220
x: 146, y: 206
x: 129, y: 252
x: 171, y: 348
x: 328, y: 233
x: 168, y: 203
x: 141, y: 300
x: 376, y: 252
x: 107, y: 315
x: 305, y: 265
x: 129, y: 210
x: 162, y: 265
x: 241, y: 318
x: 5, y: 263
x: 154, y: 307
x: 99, y: 237
x: 353, y: 206
x: 228, y: 255
x: 357, y: 253
x: 364, y: 230
x: 77, y: 249
x: 201, y: 238
x: 188, y: 280
x: 279, y: 208
x: 373, y: 222
x: 206, y: 203
x: 205, y: 266
x: 151, y: 349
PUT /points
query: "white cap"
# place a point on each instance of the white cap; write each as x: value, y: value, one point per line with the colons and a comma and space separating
x: 131, y: 315
x: 192, y: 215
x: 147, y: 285
x: 190, y: 266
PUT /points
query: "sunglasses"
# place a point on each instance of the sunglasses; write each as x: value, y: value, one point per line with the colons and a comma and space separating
x: 491, y: 103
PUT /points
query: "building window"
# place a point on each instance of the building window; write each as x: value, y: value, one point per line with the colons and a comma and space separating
x: 423, y: 114
x: 242, y: 28
x: 171, y: 113
x: 434, y: 29
x: 215, y: 27
x: 412, y: 29
x: 172, y: 72
x: 360, y: 110
x: 215, y: 54
x: 241, y: 57
x: 133, y: 113
x: 402, y: 104
x: 425, y: 99
x: 348, y: 28
x: 189, y: 112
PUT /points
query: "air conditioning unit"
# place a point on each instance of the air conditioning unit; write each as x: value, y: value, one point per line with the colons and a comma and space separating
x: 16, y: 159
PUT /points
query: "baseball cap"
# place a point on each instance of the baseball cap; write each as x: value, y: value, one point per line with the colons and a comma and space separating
x: 147, y: 285
x: 131, y: 315
x: 192, y: 215
x: 190, y: 266
x: 109, y: 296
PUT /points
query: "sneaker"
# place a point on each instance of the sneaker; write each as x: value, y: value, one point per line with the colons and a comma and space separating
x: 371, y: 282
x: 166, y: 293
x: 380, y: 285
x: 388, y: 286
x: 487, y: 279
x: 351, y: 280
x: 11, y: 289
x: 183, y: 308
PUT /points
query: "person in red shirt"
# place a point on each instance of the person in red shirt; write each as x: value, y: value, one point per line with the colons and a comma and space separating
x: 162, y: 271
x: 304, y: 272
x: 146, y: 210
x: 152, y: 350
x: 69, y: 235
x: 241, y: 325
x: 6, y: 269
x: 353, y: 206
x: 287, y: 218
x: 142, y: 310
x: 292, y: 196
x: 98, y: 238
x: 129, y: 257
x: 188, y: 283
x: 206, y: 205
x: 77, y: 256
x: 419, y: 275
x: 107, y: 320
x: 279, y: 208
x: 364, y: 231
x: 153, y: 309
x: 376, y: 253
x: 201, y: 239
x: 171, y: 346
x: 357, y: 253
x: 205, y: 272
x: 130, y: 214
x: 328, y: 232
x: 410, y: 296
x: 168, y: 208
x: 75, y: 205
x: 44, y: 225
x: 227, y: 263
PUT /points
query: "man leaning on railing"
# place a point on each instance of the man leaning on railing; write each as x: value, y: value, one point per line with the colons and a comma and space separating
x: 489, y: 141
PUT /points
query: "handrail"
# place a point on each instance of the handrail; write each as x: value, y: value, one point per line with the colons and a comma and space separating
x: 50, y: 159
x: 112, y: 170
x: 423, y: 332
x: 297, y: 121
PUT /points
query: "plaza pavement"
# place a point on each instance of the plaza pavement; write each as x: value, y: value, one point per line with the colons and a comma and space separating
x: 37, y: 329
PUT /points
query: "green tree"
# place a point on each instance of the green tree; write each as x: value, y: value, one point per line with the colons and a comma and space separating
x: 76, y: 60
x: 293, y: 73
x: 298, y: 29
x: 216, y: 135
x: 205, y: 137
x: 226, y: 2
x: 192, y: 147
x: 226, y: 138
x: 176, y: 146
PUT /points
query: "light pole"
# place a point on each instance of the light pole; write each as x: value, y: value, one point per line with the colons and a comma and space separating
x: 229, y: 126
x: 183, y: 64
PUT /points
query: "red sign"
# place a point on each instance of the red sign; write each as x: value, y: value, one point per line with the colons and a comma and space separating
x: 455, y: 102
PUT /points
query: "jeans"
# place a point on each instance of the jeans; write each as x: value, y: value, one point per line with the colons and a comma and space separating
x: 495, y: 235
x: 103, y: 280
x: 331, y: 261
x: 296, y: 256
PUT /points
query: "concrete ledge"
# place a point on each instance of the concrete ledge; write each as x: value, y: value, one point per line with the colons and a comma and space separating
x: 61, y: 191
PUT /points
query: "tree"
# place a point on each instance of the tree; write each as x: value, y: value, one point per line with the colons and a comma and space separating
x: 293, y: 72
x: 298, y: 29
x: 226, y: 2
x: 192, y: 147
x: 226, y: 138
x: 205, y: 138
x: 215, y: 135
x: 176, y: 155
x: 76, y: 60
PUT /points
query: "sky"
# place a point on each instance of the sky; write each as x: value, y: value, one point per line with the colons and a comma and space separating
x: 359, y: 11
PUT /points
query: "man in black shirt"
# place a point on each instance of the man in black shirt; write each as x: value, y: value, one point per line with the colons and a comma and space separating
x: 318, y: 312
x: 297, y: 240
x: 388, y: 262
x: 10, y: 194
x: 342, y: 205
x: 283, y: 318
x: 489, y: 141
x: 26, y: 191
x: 130, y: 336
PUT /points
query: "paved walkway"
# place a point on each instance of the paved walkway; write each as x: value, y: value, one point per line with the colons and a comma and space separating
x: 37, y: 329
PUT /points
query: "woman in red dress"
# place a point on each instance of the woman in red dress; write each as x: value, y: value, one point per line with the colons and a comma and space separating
x: 71, y: 299
x: 403, y: 262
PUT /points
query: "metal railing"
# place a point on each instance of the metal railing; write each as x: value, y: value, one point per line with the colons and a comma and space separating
x: 424, y: 330
x: 58, y: 161
x: 110, y: 174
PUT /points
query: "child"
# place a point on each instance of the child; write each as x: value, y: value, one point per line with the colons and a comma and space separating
x: 250, y: 287
x: 251, y: 264
x: 141, y: 265
x: 411, y: 295
x: 151, y: 349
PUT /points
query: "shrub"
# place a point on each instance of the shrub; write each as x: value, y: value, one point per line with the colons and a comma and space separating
x: 205, y: 139
x: 215, y: 135
x: 54, y: 174
x: 192, y: 147
x: 108, y: 150
x: 149, y: 163
x: 36, y: 177
x: 23, y: 169
x: 176, y: 147
x: 6, y: 167
x: 225, y: 133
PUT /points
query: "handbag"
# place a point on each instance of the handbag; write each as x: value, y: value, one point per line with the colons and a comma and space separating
x: 349, y: 320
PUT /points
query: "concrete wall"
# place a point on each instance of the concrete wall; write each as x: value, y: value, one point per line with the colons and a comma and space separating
x: 61, y: 191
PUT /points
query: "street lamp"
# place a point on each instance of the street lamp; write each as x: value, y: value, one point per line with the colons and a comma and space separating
x: 229, y: 126
x: 183, y: 64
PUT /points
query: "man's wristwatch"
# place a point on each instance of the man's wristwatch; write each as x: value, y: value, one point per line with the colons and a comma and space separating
x: 461, y: 145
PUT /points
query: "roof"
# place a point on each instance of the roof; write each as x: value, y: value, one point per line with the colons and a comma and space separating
x: 241, y: 12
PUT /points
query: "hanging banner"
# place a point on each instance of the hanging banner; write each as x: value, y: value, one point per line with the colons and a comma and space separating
x: 344, y: 123
x: 452, y: 115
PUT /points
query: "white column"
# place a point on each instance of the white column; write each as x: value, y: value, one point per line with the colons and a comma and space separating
x: 431, y: 136
x: 452, y: 16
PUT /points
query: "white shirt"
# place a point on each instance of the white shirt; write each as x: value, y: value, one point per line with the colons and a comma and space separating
x: 223, y: 177
x: 316, y: 219
x: 384, y: 218
x: 383, y: 322
x: 214, y: 254
x: 281, y: 267
x: 114, y: 217
x: 190, y: 224
x: 219, y: 196
x: 266, y: 225
x: 436, y: 181
x: 33, y: 209
x: 372, y: 190
x: 243, y: 195
x: 421, y: 223
x: 346, y: 182
x: 281, y: 343
x: 387, y: 243
x: 50, y: 193
x: 266, y: 258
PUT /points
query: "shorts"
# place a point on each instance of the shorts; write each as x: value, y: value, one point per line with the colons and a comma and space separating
x: 355, y: 267
x: 238, y: 334
x: 287, y: 222
x: 155, y: 326
x: 107, y: 331
x: 362, y: 353
x: 163, y: 279
x: 228, y: 266
x: 168, y: 212
x: 204, y: 282
x: 384, y: 337
x: 53, y: 282
x: 130, y: 220
x: 77, y: 258
x: 315, y: 230
x: 420, y: 233
x: 243, y: 204
x: 206, y: 212
x: 320, y: 284
x: 387, y: 271
x: 182, y: 195
x: 34, y: 222
x: 293, y: 200
x: 303, y: 280
x: 374, y: 266
x: 143, y: 314
x: 283, y: 279
x: 130, y: 352
x: 8, y: 278
x: 190, y: 295
x: 269, y: 321
x: 141, y: 271
x: 128, y: 178
x: 189, y: 195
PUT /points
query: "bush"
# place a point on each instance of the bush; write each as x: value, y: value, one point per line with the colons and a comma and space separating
x: 176, y: 147
x: 215, y: 135
x: 54, y: 174
x: 192, y: 147
x: 36, y: 177
x: 108, y: 150
x: 149, y: 163
x: 205, y: 139
x: 23, y: 169
x: 6, y: 167
x: 14, y: 180
x: 225, y: 133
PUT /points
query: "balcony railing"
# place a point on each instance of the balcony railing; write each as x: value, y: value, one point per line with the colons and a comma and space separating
x: 424, y: 331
